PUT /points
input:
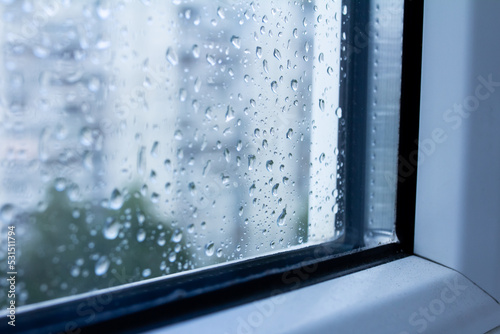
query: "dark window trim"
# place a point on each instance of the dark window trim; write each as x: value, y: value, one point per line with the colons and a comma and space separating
x: 160, y: 302
x: 353, y: 99
x: 163, y: 302
x: 409, y: 123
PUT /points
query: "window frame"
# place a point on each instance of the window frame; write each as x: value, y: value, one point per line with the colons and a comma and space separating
x: 143, y: 305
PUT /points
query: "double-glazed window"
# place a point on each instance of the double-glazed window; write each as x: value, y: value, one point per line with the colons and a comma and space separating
x: 141, y: 139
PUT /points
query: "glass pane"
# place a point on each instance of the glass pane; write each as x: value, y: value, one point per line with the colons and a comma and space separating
x: 145, y: 138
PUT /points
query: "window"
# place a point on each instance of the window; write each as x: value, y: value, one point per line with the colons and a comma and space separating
x: 143, y: 139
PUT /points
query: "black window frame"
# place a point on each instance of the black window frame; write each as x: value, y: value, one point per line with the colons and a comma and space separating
x: 160, y: 302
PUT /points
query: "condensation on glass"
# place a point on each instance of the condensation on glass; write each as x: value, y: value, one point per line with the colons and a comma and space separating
x: 146, y: 138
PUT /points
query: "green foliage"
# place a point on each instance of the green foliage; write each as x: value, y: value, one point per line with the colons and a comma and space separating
x: 64, y: 242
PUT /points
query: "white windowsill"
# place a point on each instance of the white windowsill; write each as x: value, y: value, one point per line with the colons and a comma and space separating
x: 411, y: 295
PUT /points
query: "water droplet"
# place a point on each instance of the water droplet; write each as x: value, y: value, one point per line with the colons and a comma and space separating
x: 322, y: 104
x: 172, y: 56
x: 209, y: 249
x: 116, y: 200
x: 265, y: 66
x: 329, y: 70
x: 40, y: 51
x: 289, y: 133
x: 154, y: 149
x: 190, y: 228
x: 229, y: 113
x: 275, y: 189
x: 75, y: 271
x: 101, y: 266
x: 192, y: 188
x: 251, y: 161
x: 168, y: 185
x: 338, y: 112
x: 207, y: 167
x: 211, y: 60
x: 269, y: 165
x: 220, y: 12
x: 7, y: 213
x: 264, y: 144
x: 274, y: 87
x: 161, y: 240
x: 111, y: 229
x: 251, y: 190
x: 182, y: 95
x: 294, y: 84
x: 177, y: 236
x: 94, y: 84
x: 141, y: 235
x: 60, y: 184
x: 227, y: 155
x: 155, y: 197
x: 152, y: 176
x: 103, y: 9
x: 281, y: 218
x: 73, y: 193
x: 344, y: 9
x: 168, y: 165
x: 322, y: 157
x: 196, y: 51
x: 258, y: 52
x: 146, y: 272
x: 197, y: 85
x: 208, y: 113
x: 172, y: 256
x: 141, y: 160
x: 296, y: 33
x: 178, y: 135
x: 91, y: 137
x: 235, y: 40
x: 321, y: 57
x: 277, y: 54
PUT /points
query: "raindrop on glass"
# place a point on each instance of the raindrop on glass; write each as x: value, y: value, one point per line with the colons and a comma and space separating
x: 101, y: 266
x: 277, y: 54
x: 258, y: 52
x: 281, y: 218
x: 338, y: 112
x: 177, y: 236
x: 251, y: 161
x: 322, y: 104
x: 275, y: 189
x: 172, y: 56
x: 141, y: 235
x: 235, y: 40
x: 111, y: 229
x: 269, y: 165
x: 209, y: 249
x: 274, y: 87
x: 321, y: 57
x: 116, y: 200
